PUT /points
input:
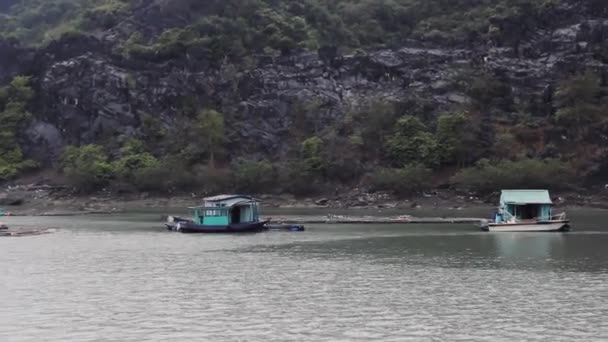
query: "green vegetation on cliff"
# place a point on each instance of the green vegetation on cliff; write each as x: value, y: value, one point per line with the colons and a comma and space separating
x: 235, y: 28
x: 405, y: 145
x: 13, y: 116
x: 390, y: 143
x: 35, y: 22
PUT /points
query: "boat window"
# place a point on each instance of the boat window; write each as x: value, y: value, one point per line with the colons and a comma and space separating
x: 213, y: 212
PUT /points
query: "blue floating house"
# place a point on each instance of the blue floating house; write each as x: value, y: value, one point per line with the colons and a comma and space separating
x: 222, y: 214
x: 224, y: 210
x: 526, y: 210
x: 527, y: 204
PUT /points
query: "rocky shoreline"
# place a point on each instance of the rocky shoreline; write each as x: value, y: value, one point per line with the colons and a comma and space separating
x: 46, y: 200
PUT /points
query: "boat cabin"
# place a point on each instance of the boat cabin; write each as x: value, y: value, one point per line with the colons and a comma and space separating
x: 522, y: 205
x: 224, y: 210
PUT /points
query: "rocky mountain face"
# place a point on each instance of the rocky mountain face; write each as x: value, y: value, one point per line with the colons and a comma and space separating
x: 87, y: 91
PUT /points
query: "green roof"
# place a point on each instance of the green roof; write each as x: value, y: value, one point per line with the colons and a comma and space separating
x: 525, y: 197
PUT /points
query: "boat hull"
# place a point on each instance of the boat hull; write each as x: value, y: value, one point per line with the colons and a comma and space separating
x: 552, y: 226
x: 190, y: 227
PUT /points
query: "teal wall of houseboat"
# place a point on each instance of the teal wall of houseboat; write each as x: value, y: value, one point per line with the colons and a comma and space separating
x: 211, y: 216
x: 215, y: 221
x: 224, y: 213
x: 545, y: 212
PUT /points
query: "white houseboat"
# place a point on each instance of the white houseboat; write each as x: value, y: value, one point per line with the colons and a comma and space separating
x: 526, y: 211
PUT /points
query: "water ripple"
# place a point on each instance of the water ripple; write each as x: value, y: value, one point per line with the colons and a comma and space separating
x: 141, y: 286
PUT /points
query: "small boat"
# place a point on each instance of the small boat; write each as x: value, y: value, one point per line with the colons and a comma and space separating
x: 221, y: 214
x: 526, y: 211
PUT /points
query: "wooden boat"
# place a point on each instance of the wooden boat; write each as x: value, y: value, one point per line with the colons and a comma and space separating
x: 526, y: 211
x: 221, y: 214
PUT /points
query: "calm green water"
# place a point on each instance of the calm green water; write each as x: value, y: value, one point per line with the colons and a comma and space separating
x: 122, y: 278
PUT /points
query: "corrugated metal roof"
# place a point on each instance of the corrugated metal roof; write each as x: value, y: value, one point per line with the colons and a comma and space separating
x: 220, y: 198
x: 525, y: 197
x: 226, y: 201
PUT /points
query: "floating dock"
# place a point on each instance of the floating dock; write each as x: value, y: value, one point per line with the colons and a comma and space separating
x: 404, y: 219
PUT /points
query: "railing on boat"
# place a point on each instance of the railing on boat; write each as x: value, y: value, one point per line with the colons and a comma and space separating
x: 509, y: 218
x: 559, y: 217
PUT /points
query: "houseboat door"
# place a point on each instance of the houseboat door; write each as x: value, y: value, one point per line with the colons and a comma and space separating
x: 236, y: 215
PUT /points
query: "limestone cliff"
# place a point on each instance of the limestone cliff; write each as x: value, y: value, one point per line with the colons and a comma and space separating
x: 87, y: 90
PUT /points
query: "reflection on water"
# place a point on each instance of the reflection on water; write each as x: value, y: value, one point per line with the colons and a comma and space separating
x: 527, y: 246
x: 123, y: 278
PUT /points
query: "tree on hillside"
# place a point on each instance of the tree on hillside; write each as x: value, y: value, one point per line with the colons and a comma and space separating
x: 87, y: 167
x: 311, y: 153
x: 210, y: 130
x: 579, y: 101
x: 412, y: 143
x: 456, y: 139
x: 376, y: 121
x: 13, y: 116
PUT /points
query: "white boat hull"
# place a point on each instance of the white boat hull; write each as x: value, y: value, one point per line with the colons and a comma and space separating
x: 560, y: 226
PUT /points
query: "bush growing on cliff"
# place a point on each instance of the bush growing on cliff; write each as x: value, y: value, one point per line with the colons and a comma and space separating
x: 412, y: 143
x: 134, y: 159
x: 311, y: 154
x: 35, y: 22
x: 168, y: 175
x: 487, y: 177
x: 405, y: 181
x: 489, y: 91
x: 87, y: 167
x: 13, y: 116
x: 375, y: 122
x: 296, y: 179
x: 172, y: 174
x: 581, y: 105
x: 156, y: 178
x: 455, y: 138
x: 232, y: 28
x: 210, y: 132
x: 343, y: 158
x: 12, y: 164
x: 255, y: 177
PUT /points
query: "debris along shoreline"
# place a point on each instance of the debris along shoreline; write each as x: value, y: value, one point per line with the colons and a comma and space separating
x: 402, y: 219
x: 18, y: 232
